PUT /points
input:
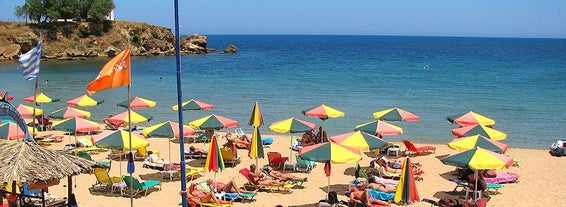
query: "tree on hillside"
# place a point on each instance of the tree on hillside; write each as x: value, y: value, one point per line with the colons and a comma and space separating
x: 51, y: 10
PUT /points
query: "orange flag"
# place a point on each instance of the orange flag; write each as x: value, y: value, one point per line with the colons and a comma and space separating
x: 114, y: 74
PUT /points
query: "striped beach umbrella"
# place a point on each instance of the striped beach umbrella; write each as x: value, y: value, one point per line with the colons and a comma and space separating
x: 213, y: 122
x: 119, y: 140
x: 478, y: 159
x: 256, y: 119
x: 359, y: 140
x: 76, y: 124
x: 323, y: 112
x: 168, y: 129
x: 470, y: 118
x: 137, y: 103
x: 69, y: 112
x: 214, y: 161
x: 292, y: 125
x: 40, y: 98
x: 193, y: 105
x: 84, y: 100
x: 12, y: 131
x: 471, y: 142
x: 481, y: 130
x: 136, y: 117
x: 395, y: 114
x: 27, y: 111
x: 379, y: 128
x: 330, y: 152
x: 256, y: 147
x: 407, y: 189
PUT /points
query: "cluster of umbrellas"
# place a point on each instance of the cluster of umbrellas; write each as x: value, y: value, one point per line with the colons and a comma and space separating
x: 475, y: 134
x: 477, y: 143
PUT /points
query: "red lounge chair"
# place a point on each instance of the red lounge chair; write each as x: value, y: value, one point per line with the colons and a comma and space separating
x: 418, y: 150
x: 275, y: 159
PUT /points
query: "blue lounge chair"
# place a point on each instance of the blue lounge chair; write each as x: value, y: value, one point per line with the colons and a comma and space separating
x: 139, y: 187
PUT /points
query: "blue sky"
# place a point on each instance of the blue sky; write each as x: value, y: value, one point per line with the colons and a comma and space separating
x: 486, y: 18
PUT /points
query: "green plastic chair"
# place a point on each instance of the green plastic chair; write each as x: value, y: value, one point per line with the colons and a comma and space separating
x: 139, y: 187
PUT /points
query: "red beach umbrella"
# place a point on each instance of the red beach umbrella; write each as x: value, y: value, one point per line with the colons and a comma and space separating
x: 407, y: 189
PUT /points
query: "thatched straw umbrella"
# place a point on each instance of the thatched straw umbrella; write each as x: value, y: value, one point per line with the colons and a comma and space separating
x: 34, y: 164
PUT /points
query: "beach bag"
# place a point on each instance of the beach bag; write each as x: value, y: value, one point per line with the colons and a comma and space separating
x: 333, y: 197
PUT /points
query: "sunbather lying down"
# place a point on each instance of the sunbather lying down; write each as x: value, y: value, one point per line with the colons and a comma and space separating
x: 204, y: 197
x: 230, y: 187
x: 154, y: 158
x: 360, y: 195
x: 260, y: 179
x: 451, y: 202
x: 282, y: 176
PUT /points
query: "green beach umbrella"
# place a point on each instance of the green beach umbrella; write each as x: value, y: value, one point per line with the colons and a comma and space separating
x: 395, y: 114
x: 481, y: 130
x: 379, y: 127
x: 69, y: 112
x: 213, y: 122
x: 138, y: 103
x: 193, y: 105
x: 292, y: 125
x: 359, y: 140
x: 84, y: 100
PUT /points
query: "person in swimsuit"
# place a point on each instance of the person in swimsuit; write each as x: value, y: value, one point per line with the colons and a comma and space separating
x: 230, y: 187
x: 259, y: 178
x: 283, y: 176
x: 204, y: 197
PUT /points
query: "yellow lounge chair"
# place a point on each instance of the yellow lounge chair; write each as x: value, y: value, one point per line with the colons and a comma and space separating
x: 229, y: 157
x: 271, y: 188
x: 103, y: 179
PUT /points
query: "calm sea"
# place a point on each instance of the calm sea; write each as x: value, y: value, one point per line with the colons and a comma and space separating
x: 521, y: 83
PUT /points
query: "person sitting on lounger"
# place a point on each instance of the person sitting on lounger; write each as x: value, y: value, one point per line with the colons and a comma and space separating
x: 230, y: 187
x: 382, y: 163
x: 307, y: 139
x: 204, y: 197
x: 260, y: 178
x: 283, y: 176
x: 197, y: 151
x: 362, y: 196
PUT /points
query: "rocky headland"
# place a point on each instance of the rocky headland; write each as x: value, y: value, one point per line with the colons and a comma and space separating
x: 79, y: 40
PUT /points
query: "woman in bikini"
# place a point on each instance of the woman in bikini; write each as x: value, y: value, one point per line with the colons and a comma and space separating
x: 204, y: 197
x: 230, y: 187
x: 283, y: 176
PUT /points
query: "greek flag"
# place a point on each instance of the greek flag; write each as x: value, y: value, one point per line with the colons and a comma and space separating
x: 30, y: 61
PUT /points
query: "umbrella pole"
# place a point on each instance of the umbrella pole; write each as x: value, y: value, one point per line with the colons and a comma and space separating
x: 328, y: 191
x: 33, y: 112
x: 130, y: 142
x: 475, y: 185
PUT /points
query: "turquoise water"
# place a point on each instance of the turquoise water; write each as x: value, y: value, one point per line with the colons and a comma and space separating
x: 518, y: 82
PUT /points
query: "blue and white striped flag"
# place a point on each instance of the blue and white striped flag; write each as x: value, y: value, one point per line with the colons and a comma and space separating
x: 30, y: 61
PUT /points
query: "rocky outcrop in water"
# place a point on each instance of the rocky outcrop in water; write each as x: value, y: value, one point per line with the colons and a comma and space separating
x: 75, y: 40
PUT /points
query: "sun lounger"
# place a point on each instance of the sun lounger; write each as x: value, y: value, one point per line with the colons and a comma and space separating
x: 270, y: 188
x: 502, y: 178
x: 140, y: 186
x: 228, y: 196
x: 229, y: 157
x: 418, y: 150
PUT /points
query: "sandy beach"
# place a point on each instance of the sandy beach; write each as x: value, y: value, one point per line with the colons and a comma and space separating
x: 536, y: 187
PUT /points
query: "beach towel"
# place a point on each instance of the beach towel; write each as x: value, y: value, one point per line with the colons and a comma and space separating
x: 502, y: 178
x: 381, y: 195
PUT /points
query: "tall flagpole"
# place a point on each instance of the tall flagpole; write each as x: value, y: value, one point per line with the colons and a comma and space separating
x: 33, y: 112
x: 130, y: 142
x: 180, y: 111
